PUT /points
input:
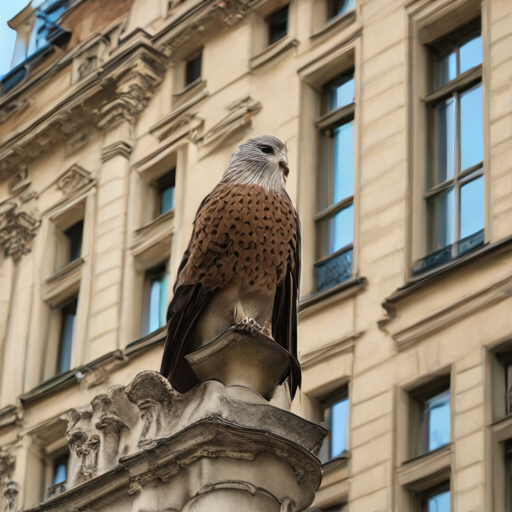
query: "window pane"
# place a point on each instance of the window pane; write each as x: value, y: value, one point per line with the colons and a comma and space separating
x: 472, y: 150
x: 340, y: 229
x: 438, y: 421
x: 277, y: 25
x: 59, y: 473
x: 339, y: 418
x: 439, y: 503
x: 337, y: 7
x: 445, y: 70
x: 163, y: 301
x: 441, y: 217
x: 445, y: 112
x: 66, y: 337
x: 75, y: 235
x: 167, y: 200
x: 342, y: 94
x: 154, y: 306
x: 472, y: 207
x: 193, y: 71
x: 343, y: 162
x: 471, y: 54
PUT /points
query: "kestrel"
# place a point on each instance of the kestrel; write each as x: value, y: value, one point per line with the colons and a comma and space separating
x: 242, y: 265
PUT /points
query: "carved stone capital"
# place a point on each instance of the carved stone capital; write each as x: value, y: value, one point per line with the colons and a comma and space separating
x: 17, y: 229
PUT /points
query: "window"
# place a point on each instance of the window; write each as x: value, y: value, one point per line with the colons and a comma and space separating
x: 436, y: 499
x: 339, y: 7
x: 68, y: 314
x: 60, y: 468
x: 75, y: 235
x: 155, y: 300
x: 335, y: 420
x: 335, y: 220
x: 165, y: 186
x: 508, y: 474
x: 502, y: 381
x: 430, y: 417
x: 455, y: 182
x: 277, y: 24
x: 193, y: 68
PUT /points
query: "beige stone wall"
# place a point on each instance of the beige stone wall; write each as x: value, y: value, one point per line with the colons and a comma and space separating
x: 446, y: 325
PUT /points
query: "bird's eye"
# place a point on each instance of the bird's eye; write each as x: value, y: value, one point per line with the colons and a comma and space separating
x: 267, y: 149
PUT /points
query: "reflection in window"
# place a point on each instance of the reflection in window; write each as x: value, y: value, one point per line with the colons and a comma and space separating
x: 277, y: 25
x: 438, y: 499
x: 193, y: 68
x: 455, y: 189
x: 335, y: 420
x: 166, y: 186
x: 155, y: 299
x: 339, y: 7
x: 60, y: 467
x: 430, y: 417
x: 335, y: 222
x: 68, y: 314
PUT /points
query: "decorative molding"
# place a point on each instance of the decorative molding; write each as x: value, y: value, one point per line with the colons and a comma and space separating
x: 329, y: 350
x: 9, y: 489
x: 135, y: 87
x: 74, y: 178
x: 445, y: 316
x: 119, y: 148
x: 118, y: 92
x: 215, y: 16
x: 17, y: 229
x: 272, y: 52
x: 175, y: 129
x: 20, y: 182
x: 239, y: 117
x: 14, y: 108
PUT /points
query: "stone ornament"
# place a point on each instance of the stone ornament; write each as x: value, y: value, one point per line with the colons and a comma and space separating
x: 17, y: 229
x: 152, y: 448
x: 74, y: 178
x: 9, y: 489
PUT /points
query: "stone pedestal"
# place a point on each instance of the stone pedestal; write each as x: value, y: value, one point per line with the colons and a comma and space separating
x: 217, y: 448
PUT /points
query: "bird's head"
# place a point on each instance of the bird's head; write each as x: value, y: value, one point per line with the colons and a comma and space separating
x: 260, y: 161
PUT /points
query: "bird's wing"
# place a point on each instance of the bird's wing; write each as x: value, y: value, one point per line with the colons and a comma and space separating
x: 188, y: 302
x: 286, y: 302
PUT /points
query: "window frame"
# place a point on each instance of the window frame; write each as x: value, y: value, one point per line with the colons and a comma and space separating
x: 434, y: 491
x: 268, y: 27
x: 163, y: 269
x: 419, y: 416
x: 188, y: 62
x: 327, y: 402
x: 434, y: 257
x: 325, y: 125
x: 61, y: 307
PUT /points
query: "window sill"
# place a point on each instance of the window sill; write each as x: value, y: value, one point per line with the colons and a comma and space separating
x: 148, y: 341
x: 337, y: 23
x: 63, y: 284
x: 472, y: 258
x: 334, y: 486
x: 426, y: 470
x: 153, y: 241
x: 273, y: 51
x: 318, y: 300
x: 189, y: 96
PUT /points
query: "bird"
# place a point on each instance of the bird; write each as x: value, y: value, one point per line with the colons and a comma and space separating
x: 242, y: 264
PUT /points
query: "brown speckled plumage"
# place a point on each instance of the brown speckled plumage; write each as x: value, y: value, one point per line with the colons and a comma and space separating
x: 243, y: 260
x: 242, y: 234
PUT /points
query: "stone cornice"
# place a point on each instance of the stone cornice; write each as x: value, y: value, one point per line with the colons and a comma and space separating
x: 118, y: 92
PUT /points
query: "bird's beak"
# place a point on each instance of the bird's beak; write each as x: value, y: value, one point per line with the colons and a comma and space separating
x: 283, y: 165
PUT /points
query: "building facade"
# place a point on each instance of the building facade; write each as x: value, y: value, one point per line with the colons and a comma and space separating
x: 119, y: 116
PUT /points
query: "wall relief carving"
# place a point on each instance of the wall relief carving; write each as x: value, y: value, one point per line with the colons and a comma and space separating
x: 9, y: 489
x: 17, y: 229
x: 74, y: 178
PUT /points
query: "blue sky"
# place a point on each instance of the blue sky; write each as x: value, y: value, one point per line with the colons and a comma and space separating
x: 8, y: 9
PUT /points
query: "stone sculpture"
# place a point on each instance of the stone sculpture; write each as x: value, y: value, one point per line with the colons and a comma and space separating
x: 212, y: 439
x: 240, y: 274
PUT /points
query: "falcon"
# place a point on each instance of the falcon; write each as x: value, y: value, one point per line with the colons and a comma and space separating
x: 242, y: 265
